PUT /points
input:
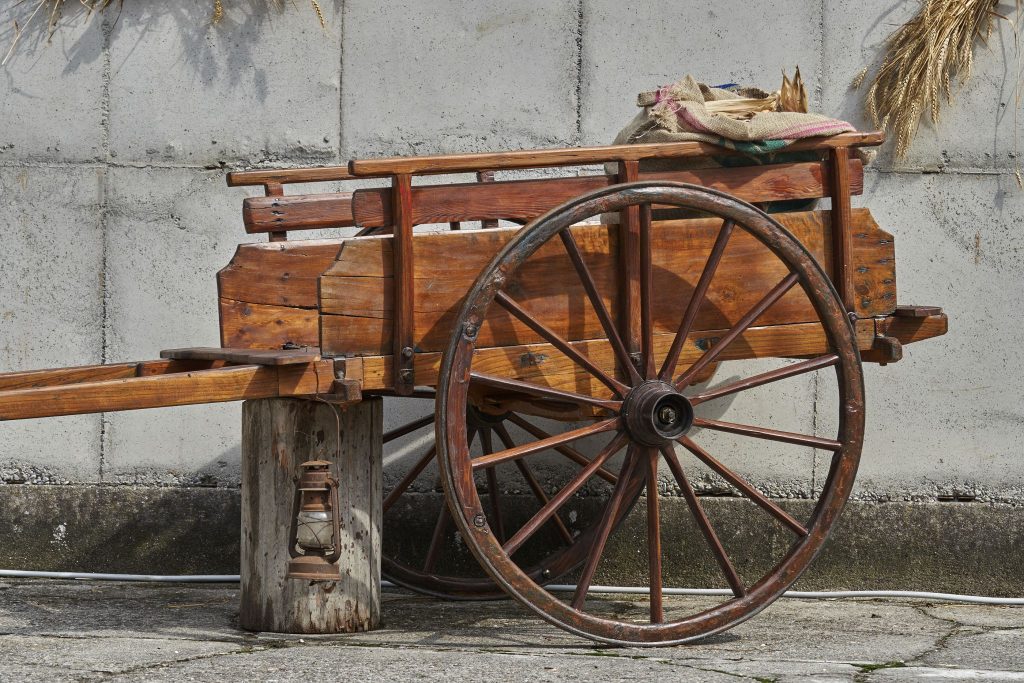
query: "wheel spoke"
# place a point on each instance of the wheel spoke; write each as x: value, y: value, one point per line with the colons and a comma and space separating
x: 493, y: 489
x: 544, y: 444
x: 770, y: 434
x: 621, y: 354
x: 668, y: 368
x: 564, y: 495
x: 608, y: 518
x: 646, y: 293
x: 436, y: 539
x: 717, y: 549
x: 518, y: 386
x: 559, y: 343
x: 531, y: 481
x: 746, y: 321
x: 653, y: 536
x: 767, y: 377
x: 744, y: 487
x: 409, y: 478
x: 408, y: 428
x: 568, y: 451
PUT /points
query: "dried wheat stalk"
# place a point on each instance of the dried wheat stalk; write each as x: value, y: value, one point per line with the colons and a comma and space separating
x: 922, y: 59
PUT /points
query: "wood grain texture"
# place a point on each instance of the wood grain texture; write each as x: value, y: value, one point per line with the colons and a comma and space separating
x: 527, y: 199
x: 297, y: 212
x: 356, y: 290
x: 543, y: 364
x: 278, y: 274
x: 158, y: 390
x: 34, y: 379
x: 284, y: 176
x: 257, y: 326
x: 277, y: 435
x: 245, y: 356
x: 581, y: 156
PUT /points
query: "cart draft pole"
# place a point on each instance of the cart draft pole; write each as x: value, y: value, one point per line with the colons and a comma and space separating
x: 283, y: 439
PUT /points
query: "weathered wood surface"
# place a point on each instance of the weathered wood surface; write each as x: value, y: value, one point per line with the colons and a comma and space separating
x: 245, y: 356
x: 75, y: 392
x: 456, y: 163
x: 268, y: 294
x: 297, y: 212
x: 544, y: 364
x: 356, y: 291
x: 34, y: 379
x: 527, y: 199
x: 277, y: 435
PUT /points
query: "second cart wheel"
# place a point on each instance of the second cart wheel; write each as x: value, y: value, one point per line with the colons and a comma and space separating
x: 757, y: 292
x: 422, y: 547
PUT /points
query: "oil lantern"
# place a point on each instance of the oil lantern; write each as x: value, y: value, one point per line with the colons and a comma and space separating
x: 313, y: 542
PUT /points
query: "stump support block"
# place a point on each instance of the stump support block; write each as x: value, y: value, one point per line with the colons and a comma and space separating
x: 277, y: 435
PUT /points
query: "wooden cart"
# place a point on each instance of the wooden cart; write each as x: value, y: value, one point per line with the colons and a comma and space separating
x: 606, y: 314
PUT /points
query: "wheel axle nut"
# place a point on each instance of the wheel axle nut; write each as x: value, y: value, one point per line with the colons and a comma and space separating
x: 667, y: 415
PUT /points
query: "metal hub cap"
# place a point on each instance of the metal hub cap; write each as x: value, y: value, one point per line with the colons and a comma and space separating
x: 655, y: 413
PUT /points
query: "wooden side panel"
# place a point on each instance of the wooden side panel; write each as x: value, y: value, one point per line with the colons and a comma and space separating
x: 356, y: 290
x: 268, y: 293
x: 526, y: 199
x: 257, y: 326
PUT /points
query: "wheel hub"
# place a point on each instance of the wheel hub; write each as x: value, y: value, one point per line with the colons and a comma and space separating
x: 655, y: 413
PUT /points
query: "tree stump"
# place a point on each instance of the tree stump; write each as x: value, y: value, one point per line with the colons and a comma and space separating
x: 277, y: 435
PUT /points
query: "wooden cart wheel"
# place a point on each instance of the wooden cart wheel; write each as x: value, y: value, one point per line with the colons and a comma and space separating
x: 645, y: 406
x: 438, y: 570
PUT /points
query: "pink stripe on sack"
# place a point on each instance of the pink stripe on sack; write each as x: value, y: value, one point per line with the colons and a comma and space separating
x: 688, y: 118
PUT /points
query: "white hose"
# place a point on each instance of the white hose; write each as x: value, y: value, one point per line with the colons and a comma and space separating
x: 556, y: 588
x: 156, y: 578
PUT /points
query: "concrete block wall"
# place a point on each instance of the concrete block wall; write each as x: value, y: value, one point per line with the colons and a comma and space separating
x: 116, y: 136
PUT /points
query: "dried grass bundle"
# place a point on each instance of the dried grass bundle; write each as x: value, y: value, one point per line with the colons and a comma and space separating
x: 52, y: 10
x: 923, y: 57
x: 791, y: 97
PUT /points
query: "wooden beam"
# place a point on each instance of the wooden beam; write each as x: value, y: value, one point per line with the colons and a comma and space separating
x: 245, y: 356
x: 233, y: 383
x: 537, y: 158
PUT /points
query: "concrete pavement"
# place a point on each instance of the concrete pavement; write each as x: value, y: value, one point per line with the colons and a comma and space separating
x: 79, y: 631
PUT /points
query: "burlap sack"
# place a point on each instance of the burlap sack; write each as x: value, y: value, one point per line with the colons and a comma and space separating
x: 678, y: 112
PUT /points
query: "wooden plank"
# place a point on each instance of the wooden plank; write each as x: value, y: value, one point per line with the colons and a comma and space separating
x: 538, y: 158
x: 233, y: 383
x: 277, y: 435
x: 283, y: 176
x: 842, y: 235
x: 204, y: 386
x: 905, y: 311
x: 298, y: 212
x: 279, y: 273
x: 527, y: 199
x: 247, y: 325
x: 302, y: 356
x: 32, y: 379
x: 404, y: 286
x: 356, y: 290
x: 909, y: 330
x: 544, y: 364
x: 872, y: 269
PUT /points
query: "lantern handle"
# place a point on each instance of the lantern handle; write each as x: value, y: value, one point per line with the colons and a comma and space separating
x: 293, y: 532
x: 336, y: 519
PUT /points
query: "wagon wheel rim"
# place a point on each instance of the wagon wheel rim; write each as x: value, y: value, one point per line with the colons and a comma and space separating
x: 631, y: 402
x: 427, y: 574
